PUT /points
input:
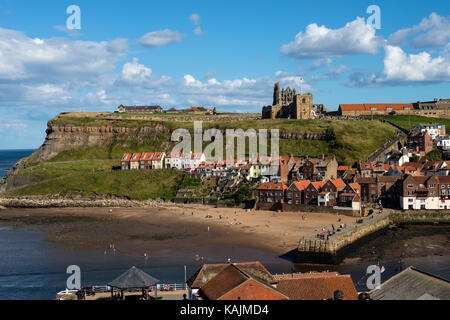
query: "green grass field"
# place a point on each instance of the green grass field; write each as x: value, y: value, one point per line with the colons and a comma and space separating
x: 90, y: 178
x: 408, y: 122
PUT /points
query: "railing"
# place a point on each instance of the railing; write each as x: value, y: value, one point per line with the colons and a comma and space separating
x: 171, y: 286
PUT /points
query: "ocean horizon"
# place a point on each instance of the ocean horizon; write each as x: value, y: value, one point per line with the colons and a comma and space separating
x: 8, y: 157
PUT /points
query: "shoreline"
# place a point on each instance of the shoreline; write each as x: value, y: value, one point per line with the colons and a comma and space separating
x: 172, y: 224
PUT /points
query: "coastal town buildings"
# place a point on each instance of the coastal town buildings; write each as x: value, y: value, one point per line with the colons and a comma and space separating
x: 139, y: 109
x: 319, y: 169
x: 134, y: 161
x: 270, y: 192
x: 252, y: 281
x: 434, y: 130
x: 419, y: 142
x: 436, y: 108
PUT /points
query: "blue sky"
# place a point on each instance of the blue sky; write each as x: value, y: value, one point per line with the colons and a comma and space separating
x: 222, y: 53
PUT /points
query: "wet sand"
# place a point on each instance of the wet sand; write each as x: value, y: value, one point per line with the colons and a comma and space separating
x: 137, y: 230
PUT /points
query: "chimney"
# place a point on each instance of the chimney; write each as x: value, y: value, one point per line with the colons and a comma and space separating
x: 323, y: 156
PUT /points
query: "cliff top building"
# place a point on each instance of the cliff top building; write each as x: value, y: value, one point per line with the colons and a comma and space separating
x: 288, y: 104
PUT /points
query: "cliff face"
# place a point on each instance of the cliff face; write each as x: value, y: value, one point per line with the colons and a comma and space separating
x: 67, y: 137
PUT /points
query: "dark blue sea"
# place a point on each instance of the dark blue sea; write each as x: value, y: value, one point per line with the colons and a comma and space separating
x: 9, y: 157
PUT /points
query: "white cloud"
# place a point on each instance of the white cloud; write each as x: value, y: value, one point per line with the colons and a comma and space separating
x: 433, y: 31
x: 401, y: 68
x: 160, y: 38
x: 199, y: 32
x: 318, y: 41
x: 11, y: 124
x: 24, y: 58
x: 135, y: 72
x: 195, y: 18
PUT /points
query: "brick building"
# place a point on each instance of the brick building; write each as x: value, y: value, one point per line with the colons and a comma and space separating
x: 419, y: 142
x: 270, y: 192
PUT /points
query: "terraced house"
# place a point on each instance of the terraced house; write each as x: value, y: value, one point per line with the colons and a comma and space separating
x: 134, y: 162
x: 319, y: 169
x: 422, y: 193
x: 271, y: 192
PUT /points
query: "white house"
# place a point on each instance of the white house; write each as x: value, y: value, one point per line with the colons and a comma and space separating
x: 173, y: 160
x: 434, y: 130
x: 443, y: 142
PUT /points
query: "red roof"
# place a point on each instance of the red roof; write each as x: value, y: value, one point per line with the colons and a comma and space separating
x: 126, y: 157
x: 320, y: 287
x: 301, y: 185
x: 272, y: 186
x: 157, y: 156
x: 338, y: 183
x: 377, y: 106
x: 146, y: 156
x: 135, y: 157
x: 343, y: 168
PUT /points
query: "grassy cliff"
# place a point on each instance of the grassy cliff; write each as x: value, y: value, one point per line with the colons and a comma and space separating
x: 90, y: 171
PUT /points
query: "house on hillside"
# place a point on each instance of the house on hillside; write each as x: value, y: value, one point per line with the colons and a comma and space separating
x: 270, y: 192
x: 134, y: 162
x: 139, y: 109
x: 125, y: 161
x: 158, y: 160
x: 145, y: 162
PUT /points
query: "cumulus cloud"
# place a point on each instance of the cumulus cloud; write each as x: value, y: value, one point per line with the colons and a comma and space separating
x: 318, y: 41
x: 195, y: 18
x: 401, y: 68
x: 24, y: 58
x: 433, y: 31
x: 160, y: 38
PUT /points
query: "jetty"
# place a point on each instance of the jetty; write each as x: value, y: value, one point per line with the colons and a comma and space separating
x: 329, y: 250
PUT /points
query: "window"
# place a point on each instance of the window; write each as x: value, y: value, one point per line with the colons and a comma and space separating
x: 410, y: 200
x: 373, y: 109
x: 431, y: 185
x: 388, y: 108
x: 410, y: 185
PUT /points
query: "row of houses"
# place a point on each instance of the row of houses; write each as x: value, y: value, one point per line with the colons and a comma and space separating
x: 160, y: 160
x: 332, y: 192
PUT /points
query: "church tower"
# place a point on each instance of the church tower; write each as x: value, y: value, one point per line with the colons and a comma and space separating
x: 276, y: 94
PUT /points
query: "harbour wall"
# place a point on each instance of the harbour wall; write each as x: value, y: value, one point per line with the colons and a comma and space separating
x: 332, y: 251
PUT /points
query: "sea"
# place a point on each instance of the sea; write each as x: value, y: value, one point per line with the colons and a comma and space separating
x: 32, y: 268
x: 9, y: 157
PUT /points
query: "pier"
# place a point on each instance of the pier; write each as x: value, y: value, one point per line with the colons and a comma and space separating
x: 329, y: 251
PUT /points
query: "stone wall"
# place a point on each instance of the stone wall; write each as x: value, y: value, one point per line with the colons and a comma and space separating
x: 60, y: 202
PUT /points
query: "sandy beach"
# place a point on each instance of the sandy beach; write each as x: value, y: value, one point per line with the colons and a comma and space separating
x: 135, y: 230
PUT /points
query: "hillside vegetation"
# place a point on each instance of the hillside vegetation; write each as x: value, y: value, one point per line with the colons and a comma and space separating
x: 353, y: 140
x: 408, y: 122
x: 96, y: 170
x: 92, y: 178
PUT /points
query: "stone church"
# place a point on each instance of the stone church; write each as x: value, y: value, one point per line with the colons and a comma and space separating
x: 288, y: 104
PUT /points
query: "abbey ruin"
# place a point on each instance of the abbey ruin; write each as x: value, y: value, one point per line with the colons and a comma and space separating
x: 288, y: 104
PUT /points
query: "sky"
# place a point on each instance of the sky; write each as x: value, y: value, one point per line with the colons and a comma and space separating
x: 222, y: 53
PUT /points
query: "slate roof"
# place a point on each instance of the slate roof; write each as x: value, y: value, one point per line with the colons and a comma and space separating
x: 133, y: 278
x: 412, y: 284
